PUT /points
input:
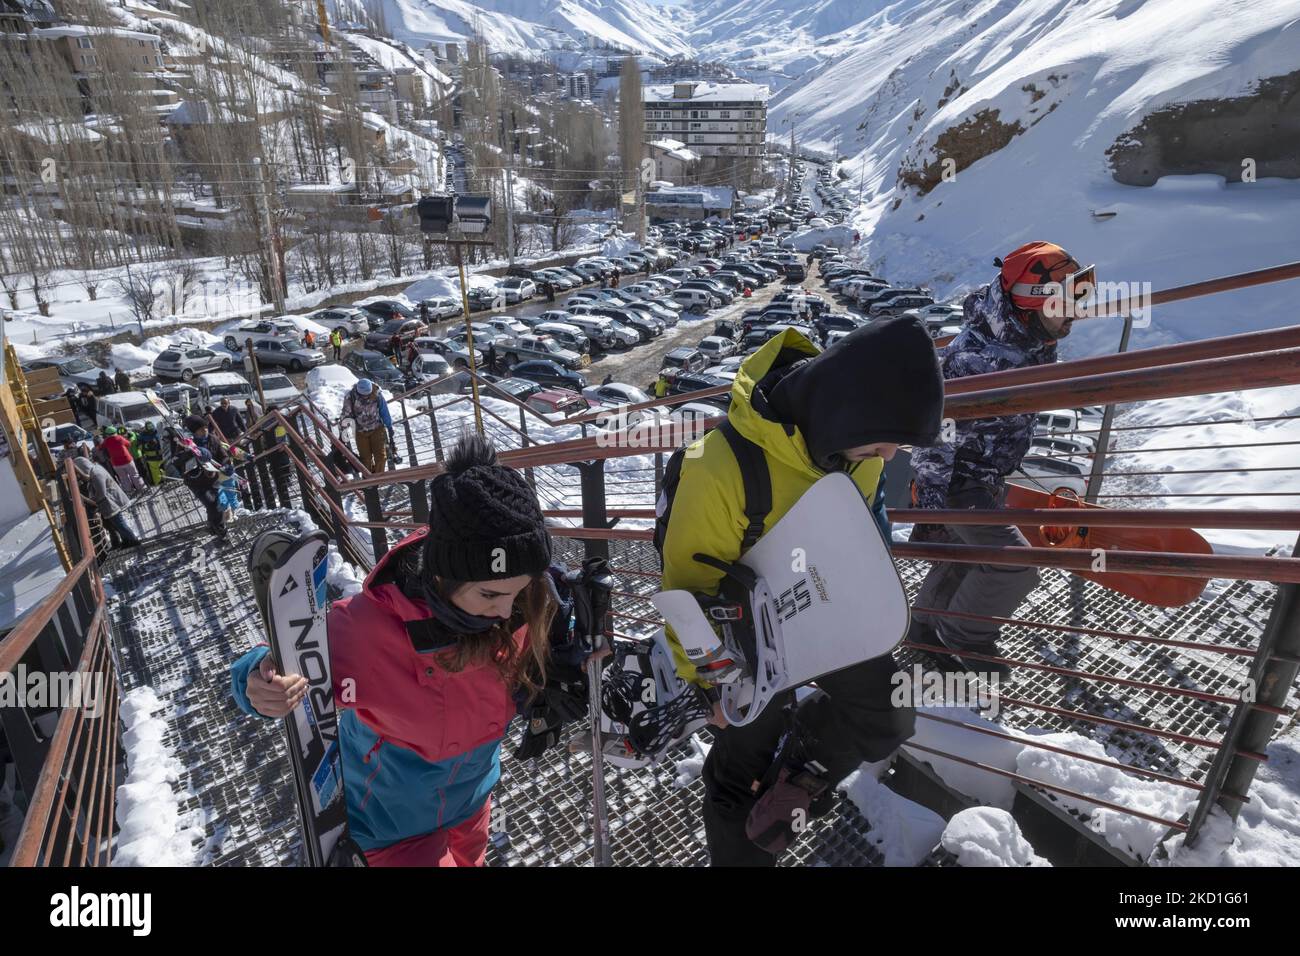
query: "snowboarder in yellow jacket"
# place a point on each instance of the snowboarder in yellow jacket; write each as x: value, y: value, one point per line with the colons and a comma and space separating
x: 847, y: 409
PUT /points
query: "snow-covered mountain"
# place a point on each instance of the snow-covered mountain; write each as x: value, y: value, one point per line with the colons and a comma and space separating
x: 536, y: 25
x: 1037, y: 102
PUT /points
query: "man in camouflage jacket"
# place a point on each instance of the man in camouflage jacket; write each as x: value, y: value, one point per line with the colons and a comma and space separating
x: 970, y: 472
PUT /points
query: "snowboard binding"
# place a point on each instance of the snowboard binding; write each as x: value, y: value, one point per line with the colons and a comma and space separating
x: 645, y: 708
x: 734, y: 639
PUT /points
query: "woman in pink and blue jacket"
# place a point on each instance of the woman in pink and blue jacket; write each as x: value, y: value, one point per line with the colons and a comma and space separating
x: 428, y: 661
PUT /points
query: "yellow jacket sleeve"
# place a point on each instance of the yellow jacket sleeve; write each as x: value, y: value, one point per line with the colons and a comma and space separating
x: 706, y: 517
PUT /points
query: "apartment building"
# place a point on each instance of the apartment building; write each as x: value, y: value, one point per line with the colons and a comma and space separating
x: 719, y: 122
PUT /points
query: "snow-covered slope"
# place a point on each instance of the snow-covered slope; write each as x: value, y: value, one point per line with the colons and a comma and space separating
x: 1075, y: 76
x: 533, y: 25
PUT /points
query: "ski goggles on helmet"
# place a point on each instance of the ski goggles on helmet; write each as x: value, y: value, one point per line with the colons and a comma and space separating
x: 1059, y: 298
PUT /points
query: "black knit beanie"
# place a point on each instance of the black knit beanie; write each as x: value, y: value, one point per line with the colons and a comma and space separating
x: 484, y: 520
x: 880, y: 383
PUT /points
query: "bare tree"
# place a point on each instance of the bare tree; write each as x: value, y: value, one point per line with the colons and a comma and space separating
x: 144, y: 287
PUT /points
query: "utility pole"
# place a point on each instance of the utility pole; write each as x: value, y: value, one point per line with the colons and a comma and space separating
x: 510, y: 215
x: 469, y: 339
x: 789, y: 183
x: 268, y: 243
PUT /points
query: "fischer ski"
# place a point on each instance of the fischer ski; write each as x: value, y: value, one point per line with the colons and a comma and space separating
x: 288, y: 576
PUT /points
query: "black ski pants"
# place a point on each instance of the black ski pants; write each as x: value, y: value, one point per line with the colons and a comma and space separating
x: 854, y: 723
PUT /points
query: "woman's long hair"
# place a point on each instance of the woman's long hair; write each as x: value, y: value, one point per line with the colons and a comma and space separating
x: 521, y: 665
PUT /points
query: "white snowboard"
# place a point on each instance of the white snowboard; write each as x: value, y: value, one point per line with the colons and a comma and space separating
x: 828, y: 596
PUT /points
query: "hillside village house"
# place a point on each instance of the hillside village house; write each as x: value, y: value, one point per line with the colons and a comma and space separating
x: 673, y: 161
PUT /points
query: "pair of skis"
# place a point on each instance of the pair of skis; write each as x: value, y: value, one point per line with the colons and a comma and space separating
x: 288, y: 576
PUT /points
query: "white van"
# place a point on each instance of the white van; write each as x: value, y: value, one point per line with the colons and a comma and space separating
x: 214, y: 386
x: 696, y: 300
x: 129, y: 410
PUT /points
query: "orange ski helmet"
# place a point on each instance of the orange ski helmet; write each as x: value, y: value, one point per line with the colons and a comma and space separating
x: 1035, y: 274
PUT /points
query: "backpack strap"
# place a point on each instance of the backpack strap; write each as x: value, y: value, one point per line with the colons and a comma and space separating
x: 757, y: 482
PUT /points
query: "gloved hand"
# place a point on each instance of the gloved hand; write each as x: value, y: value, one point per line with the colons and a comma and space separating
x: 561, y: 700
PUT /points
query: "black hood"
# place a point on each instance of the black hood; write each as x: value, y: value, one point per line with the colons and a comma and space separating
x: 880, y: 383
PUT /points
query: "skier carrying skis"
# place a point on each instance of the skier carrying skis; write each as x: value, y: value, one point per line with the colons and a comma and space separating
x: 450, y: 630
x: 809, y: 413
x: 365, y: 405
x: 1010, y: 323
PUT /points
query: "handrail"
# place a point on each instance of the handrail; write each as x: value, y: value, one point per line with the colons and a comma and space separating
x: 16, y: 643
x: 48, y: 799
x: 1261, y: 520
x: 1240, y: 280
x: 1200, y: 377
x: 1246, y: 342
x: 682, y: 398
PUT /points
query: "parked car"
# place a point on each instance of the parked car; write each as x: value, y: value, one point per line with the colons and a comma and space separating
x: 696, y: 300
x: 645, y: 327
x: 714, y: 347
x: 481, y: 299
x: 285, y: 352
x: 685, y: 359
x: 367, y: 363
x: 601, y: 331
x: 560, y: 402
x: 694, y: 382
x: 888, y: 295
x: 542, y: 347
x: 718, y: 288
x: 656, y: 312
x: 569, y: 336
x: 562, y: 281
x: 839, y: 322
x: 454, y: 351
x: 1062, y: 445
x: 351, y: 322
x: 178, y: 396
x: 234, y: 339
x: 278, y: 389
x: 548, y: 373
x: 73, y: 372
x: 516, y: 290
x: 898, y: 305
x: 615, y: 393
x: 184, y: 363
x: 1053, y: 474
x: 506, y: 325
x: 1062, y: 421
x: 429, y: 366
x: 406, y: 330
x: 440, y: 307
x: 390, y: 310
